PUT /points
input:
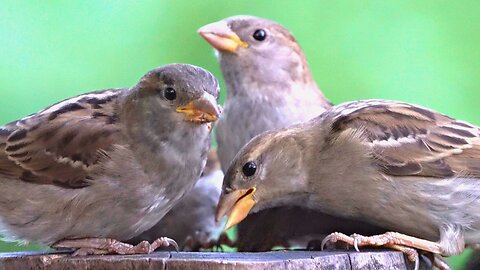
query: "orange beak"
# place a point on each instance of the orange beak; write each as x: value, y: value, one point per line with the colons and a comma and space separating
x: 221, y: 37
x: 202, y: 110
x: 236, y: 205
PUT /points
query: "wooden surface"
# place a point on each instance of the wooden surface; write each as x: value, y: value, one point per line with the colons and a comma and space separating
x: 349, y: 260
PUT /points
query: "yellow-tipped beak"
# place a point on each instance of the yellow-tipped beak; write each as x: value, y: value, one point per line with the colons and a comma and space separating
x: 221, y: 37
x: 236, y: 205
x: 202, y: 110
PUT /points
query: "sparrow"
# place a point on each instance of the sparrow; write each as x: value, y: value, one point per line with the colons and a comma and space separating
x: 269, y: 86
x: 393, y: 164
x: 192, y: 220
x: 102, y: 167
x: 268, y: 80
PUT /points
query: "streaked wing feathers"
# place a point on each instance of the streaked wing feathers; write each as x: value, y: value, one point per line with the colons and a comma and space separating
x: 60, y: 145
x: 408, y: 140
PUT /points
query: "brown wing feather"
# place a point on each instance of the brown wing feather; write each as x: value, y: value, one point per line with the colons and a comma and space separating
x: 8, y: 168
x: 60, y: 145
x: 408, y: 140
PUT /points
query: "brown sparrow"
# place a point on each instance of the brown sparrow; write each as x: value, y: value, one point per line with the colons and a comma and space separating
x: 102, y: 167
x: 396, y: 165
x: 269, y: 86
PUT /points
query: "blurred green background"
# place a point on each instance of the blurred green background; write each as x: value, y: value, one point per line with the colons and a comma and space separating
x: 425, y: 52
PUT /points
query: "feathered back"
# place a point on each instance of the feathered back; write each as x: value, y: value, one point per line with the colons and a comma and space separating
x: 409, y: 140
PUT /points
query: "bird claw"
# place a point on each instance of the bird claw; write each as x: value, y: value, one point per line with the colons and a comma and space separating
x: 406, y: 244
x: 440, y: 263
x: 355, y: 244
x: 102, y: 246
x: 195, y: 243
x: 166, y: 242
x: 223, y: 240
x: 340, y: 237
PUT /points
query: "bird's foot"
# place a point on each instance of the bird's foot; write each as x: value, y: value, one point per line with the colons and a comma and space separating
x: 101, y: 246
x: 225, y: 240
x: 401, y: 242
x: 434, y: 260
x: 194, y: 244
x: 440, y: 263
x: 316, y: 244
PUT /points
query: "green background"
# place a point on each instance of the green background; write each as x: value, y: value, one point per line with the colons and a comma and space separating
x: 425, y: 52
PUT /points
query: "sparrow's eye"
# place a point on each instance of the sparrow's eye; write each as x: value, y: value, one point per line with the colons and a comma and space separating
x: 249, y: 168
x: 170, y: 93
x: 260, y: 34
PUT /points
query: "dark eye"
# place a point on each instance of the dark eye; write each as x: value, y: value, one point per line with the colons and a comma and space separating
x: 170, y: 93
x: 260, y: 34
x: 249, y: 168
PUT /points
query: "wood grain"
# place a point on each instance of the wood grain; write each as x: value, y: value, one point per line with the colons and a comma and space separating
x: 282, y: 260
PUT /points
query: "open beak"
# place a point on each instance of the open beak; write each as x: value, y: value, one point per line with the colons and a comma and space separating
x: 236, y: 205
x: 202, y: 110
x: 221, y: 37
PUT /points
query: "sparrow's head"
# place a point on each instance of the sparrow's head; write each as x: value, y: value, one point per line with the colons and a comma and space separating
x: 265, y: 173
x: 185, y: 91
x: 256, y: 46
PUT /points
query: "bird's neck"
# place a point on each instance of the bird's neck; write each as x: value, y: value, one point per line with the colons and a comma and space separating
x: 253, y: 85
x: 161, y: 143
x: 341, y: 172
x: 255, y: 79
x: 299, y: 199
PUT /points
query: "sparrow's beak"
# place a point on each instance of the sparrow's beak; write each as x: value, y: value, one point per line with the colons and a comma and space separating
x: 236, y: 205
x: 221, y: 37
x: 202, y: 110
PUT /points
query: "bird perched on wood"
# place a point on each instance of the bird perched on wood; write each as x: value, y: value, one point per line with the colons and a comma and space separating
x: 102, y: 167
x: 192, y: 220
x: 396, y: 165
x: 269, y: 86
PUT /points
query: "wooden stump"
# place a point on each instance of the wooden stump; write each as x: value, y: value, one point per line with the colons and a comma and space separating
x: 350, y: 260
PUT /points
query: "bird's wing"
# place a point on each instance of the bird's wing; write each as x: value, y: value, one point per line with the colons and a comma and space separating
x: 409, y: 140
x: 62, y: 144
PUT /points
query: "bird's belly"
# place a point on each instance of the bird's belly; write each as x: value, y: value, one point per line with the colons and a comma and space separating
x: 420, y: 207
x: 51, y: 213
x: 141, y: 209
x: 414, y: 206
x: 125, y: 199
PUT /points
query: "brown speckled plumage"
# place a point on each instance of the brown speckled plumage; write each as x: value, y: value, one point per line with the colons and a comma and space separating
x: 269, y: 86
x: 399, y: 166
x: 106, y: 164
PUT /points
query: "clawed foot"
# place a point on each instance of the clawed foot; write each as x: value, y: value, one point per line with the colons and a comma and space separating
x: 317, y: 244
x: 194, y: 244
x: 440, y: 263
x: 101, y: 246
x: 404, y: 243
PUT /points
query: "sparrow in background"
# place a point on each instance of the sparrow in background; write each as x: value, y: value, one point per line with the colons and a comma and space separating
x: 192, y: 220
x: 269, y: 83
x: 102, y: 167
x: 269, y: 86
x: 396, y: 165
